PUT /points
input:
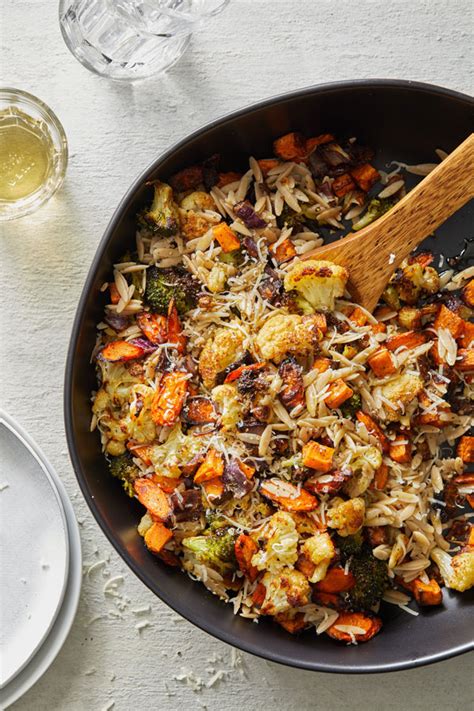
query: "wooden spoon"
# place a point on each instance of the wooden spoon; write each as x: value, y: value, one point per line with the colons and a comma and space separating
x: 372, y: 255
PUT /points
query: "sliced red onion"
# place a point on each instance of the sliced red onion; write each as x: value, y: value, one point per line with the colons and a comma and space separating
x: 247, y: 214
x: 145, y: 344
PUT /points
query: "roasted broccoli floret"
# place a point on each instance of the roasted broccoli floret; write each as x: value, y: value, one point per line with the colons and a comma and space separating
x: 319, y: 283
x: 215, y: 549
x: 371, y: 580
x: 163, y: 216
x: 349, y: 545
x: 350, y: 407
x: 175, y: 283
x: 375, y: 209
x: 124, y: 468
x: 299, y: 221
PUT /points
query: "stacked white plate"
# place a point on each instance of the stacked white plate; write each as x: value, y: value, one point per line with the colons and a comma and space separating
x: 40, y: 562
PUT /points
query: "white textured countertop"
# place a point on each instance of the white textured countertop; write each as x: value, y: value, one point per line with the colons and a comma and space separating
x: 255, y: 49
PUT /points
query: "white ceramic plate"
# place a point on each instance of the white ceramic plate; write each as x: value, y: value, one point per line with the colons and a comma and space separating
x: 34, y: 550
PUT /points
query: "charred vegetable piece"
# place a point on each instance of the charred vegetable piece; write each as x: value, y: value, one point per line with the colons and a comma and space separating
x: 318, y: 456
x: 151, y: 495
x: 319, y: 283
x: 215, y: 549
x: 354, y: 626
x: 343, y: 184
x: 187, y: 179
x: 211, y: 468
x: 375, y: 209
x: 245, y: 549
x: 199, y: 410
x: 157, y: 537
x: 292, y: 391
x: 169, y: 398
x: 154, y: 326
x: 226, y: 237
x: 291, y: 146
x: 162, y: 216
x: 124, y: 468
x: 365, y: 176
x: 238, y: 372
x: 247, y: 214
x: 351, y: 406
x: 171, y: 284
x: 329, y: 483
x: 121, y: 351
x: 371, y: 580
x: 288, y: 496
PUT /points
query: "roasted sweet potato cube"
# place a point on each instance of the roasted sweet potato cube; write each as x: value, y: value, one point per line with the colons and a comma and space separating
x: 318, y: 456
x: 226, y: 178
x: 245, y: 549
x: 288, y: 496
x: 400, y: 451
x: 339, y: 392
x: 199, y: 410
x: 465, y: 360
x: 283, y: 251
x: 467, y: 294
x: 343, y: 184
x: 291, y: 623
x: 169, y: 398
x: 211, y: 468
x: 466, y: 340
x: 382, y: 363
x: 154, y: 326
x: 465, y: 449
x: 427, y: 593
x: 157, y: 537
x: 449, y: 320
x: 354, y: 625
x: 187, y: 179
x: 321, y: 364
x: 409, y: 340
x: 365, y: 176
x: 291, y: 146
x: 214, y: 488
x: 373, y: 429
x: 358, y: 317
x: 336, y: 581
x: 315, y: 141
x: 226, y: 237
x: 267, y: 164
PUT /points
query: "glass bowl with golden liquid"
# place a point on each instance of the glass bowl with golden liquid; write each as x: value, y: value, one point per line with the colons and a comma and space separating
x: 33, y: 153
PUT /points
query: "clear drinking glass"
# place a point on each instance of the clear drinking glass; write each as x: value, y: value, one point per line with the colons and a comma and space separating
x: 131, y: 39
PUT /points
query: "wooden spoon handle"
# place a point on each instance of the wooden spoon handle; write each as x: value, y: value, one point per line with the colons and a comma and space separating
x: 447, y: 188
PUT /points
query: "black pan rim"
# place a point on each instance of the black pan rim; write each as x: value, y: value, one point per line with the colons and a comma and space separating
x: 212, y: 629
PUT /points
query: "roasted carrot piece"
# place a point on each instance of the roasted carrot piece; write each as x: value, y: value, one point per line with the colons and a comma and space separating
x: 212, y: 467
x: 318, y: 456
x: 336, y: 581
x: 321, y: 364
x: 382, y: 363
x: 423, y: 258
x: 114, y: 293
x: 245, y: 548
x: 343, y: 184
x: 427, y: 593
x: 465, y: 449
x: 226, y: 178
x: 467, y: 293
x: 399, y: 452
x: 467, y: 338
x: 409, y: 340
x: 465, y: 360
x: 434, y: 417
x: 283, y: 251
x: 226, y: 237
x: 142, y: 452
x: 169, y: 398
x: 214, y: 488
x: 315, y: 141
x: 121, y: 351
x: 449, y: 320
x: 167, y: 483
x: 339, y: 392
x: 373, y: 429
x: 288, y: 496
x: 157, y: 537
x: 174, y: 329
x: 266, y: 164
x: 358, y: 317
x: 235, y: 374
x: 379, y: 327
x: 365, y: 627
x: 150, y: 494
x: 365, y: 176
x: 199, y: 410
x: 248, y: 470
x: 381, y: 477
x: 291, y: 146
x: 291, y: 624
x: 258, y: 595
x: 154, y: 326
x: 292, y: 390
x: 187, y: 179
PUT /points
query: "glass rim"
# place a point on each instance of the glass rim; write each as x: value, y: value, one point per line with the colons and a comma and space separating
x: 31, y: 203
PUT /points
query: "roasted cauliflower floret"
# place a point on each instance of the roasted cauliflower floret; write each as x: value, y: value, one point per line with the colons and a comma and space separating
x: 319, y: 283
x: 457, y: 571
x: 320, y: 551
x: 285, y: 590
x: 218, y: 276
x: 279, y: 542
x: 227, y: 399
x: 363, y: 467
x: 284, y: 335
x: 226, y: 346
x: 193, y: 224
x: 401, y: 390
x: 347, y: 517
x: 162, y: 217
x: 198, y: 200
